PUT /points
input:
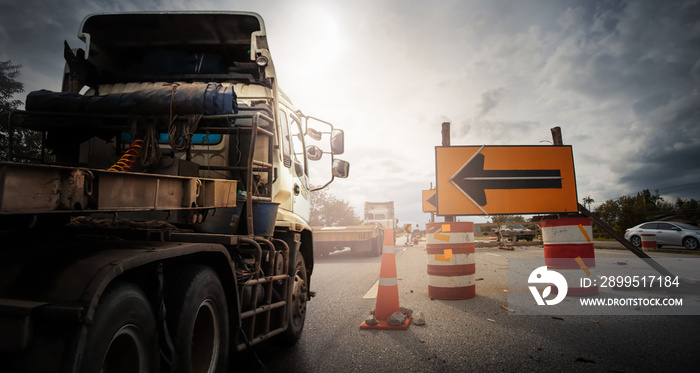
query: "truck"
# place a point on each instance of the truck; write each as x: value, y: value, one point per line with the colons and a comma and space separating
x: 366, y: 239
x: 164, y: 225
x: 381, y: 213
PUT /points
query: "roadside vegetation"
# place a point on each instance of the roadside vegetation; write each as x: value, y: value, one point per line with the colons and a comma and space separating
x: 26, y: 143
x: 329, y: 211
x: 627, y: 211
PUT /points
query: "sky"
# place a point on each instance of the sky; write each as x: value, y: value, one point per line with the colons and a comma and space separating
x: 620, y: 78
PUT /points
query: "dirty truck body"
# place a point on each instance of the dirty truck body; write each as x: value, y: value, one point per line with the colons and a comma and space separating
x: 165, y: 224
x: 365, y: 239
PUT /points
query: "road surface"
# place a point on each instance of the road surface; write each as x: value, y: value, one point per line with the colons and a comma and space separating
x: 467, y: 335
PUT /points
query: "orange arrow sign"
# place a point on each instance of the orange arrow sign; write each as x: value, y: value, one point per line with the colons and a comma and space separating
x: 492, y: 180
x: 429, y: 200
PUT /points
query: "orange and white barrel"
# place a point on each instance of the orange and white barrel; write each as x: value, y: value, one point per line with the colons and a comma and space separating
x: 493, y: 239
x: 568, y: 249
x: 451, y: 267
x: 649, y: 241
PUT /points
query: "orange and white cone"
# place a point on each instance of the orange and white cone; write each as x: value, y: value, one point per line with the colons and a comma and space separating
x: 388, y: 237
x: 387, y: 292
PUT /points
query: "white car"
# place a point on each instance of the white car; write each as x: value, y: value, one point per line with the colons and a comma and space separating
x: 667, y: 234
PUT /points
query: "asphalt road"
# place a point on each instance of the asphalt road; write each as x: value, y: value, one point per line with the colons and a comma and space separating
x: 467, y: 335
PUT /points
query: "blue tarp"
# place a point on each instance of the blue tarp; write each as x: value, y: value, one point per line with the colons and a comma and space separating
x: 181, y: 98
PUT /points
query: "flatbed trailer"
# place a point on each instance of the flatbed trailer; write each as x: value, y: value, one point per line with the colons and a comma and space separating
x: 366, y: 239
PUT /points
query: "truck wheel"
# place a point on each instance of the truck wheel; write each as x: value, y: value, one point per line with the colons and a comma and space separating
x: 123, y: 336
x: 198, y: 321
x: 297, y: 309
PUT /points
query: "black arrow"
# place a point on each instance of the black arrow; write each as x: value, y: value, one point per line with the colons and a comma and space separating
x: 432, y: 201
x: 473, y: 180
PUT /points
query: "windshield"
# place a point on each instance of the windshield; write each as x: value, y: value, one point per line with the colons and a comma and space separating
x: 172, y: 46
x: 687, y: 226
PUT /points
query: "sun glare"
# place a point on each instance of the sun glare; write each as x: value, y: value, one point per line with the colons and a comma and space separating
x: 322, y: 28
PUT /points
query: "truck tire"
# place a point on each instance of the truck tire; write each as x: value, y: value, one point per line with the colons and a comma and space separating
x: 123, y: 336
x: 297, y: 308
x: 197, y: 316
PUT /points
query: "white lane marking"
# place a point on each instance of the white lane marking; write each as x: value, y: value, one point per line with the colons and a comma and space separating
x: 372, y: 292
x: 492, y: 254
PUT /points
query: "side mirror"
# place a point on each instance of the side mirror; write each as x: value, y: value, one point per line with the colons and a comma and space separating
x: 341, y: 168
x: 337, y: 141
x: 314, y: 153
x: 316, y: 135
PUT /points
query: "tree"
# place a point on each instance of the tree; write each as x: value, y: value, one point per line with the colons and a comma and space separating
x: 25, y: 142
x: 587, y: 202
x: 628, y: 211
x: 9, y: 86
x: 504, y: 219
x: 687, y: 209
x: 329, y: 211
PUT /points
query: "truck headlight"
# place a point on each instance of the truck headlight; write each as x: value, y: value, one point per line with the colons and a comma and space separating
x: 261, y: 61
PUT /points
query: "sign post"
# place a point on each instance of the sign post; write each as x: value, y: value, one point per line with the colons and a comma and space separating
x: 446, y: 142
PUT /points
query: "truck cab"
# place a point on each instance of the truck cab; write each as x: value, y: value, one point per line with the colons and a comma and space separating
x: 155, y: 51
x: 381, y: 213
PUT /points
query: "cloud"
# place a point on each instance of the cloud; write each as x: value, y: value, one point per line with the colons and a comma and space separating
x: 489, y: 100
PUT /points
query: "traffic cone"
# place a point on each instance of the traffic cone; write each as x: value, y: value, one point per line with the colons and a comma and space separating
x: 387, y: 292
x: 388, y: 237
